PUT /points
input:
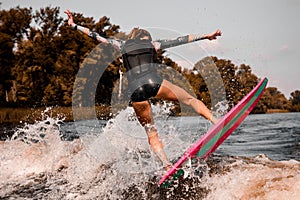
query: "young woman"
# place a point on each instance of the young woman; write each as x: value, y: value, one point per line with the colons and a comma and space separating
x: 139, y: 58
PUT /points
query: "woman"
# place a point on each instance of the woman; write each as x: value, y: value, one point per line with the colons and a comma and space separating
x: 139, y: 58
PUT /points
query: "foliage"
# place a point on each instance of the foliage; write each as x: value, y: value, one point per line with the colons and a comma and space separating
x: 295, y: 101
x: 43, y: 59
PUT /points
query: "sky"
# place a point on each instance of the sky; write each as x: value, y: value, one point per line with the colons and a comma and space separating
x: 263, y: 34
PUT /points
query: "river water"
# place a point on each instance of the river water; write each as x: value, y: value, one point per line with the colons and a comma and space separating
x: 95, y: 159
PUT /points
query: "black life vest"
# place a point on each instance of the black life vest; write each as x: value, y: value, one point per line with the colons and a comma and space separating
x: 138, y: 56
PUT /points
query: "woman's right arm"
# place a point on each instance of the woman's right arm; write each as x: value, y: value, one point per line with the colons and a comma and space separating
x: 84, y: 30
x: 116, y: 43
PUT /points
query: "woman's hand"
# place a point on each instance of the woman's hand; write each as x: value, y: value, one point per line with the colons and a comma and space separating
x: 70, y: 20
x: 213, y: 35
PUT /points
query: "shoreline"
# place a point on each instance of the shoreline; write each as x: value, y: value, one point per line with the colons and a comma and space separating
x: 270, y: 111
x: 30, y: 115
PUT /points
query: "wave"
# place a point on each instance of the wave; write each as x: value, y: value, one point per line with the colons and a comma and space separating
x: 115, y: 162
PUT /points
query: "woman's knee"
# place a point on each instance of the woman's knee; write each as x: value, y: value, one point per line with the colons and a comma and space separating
x: 140, y: 105
x: 142, y: 108
x: 143, y: 112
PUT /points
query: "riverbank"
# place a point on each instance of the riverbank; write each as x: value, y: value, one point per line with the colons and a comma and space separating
x: 30, y: 115
x: 270, y: 111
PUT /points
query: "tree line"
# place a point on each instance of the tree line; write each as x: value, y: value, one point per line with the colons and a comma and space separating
x: 40, y: 57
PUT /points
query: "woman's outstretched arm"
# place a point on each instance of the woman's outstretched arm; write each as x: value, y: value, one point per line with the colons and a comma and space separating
x: 84, y: 29
x: 164, y: 44
x: 116, y: 43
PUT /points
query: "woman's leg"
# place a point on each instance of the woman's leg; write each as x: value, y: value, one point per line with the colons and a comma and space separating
x: 144, y: 115
x: 169, y: 91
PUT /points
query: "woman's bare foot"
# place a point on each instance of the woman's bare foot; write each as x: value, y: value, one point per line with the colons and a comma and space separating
x: 167, y: 166
x: 214, y: 120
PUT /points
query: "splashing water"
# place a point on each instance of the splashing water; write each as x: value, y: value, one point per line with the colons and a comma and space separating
x: 115, y: 162
x: 257, y: 178
x: 119, y: 153
x: 221, y: 108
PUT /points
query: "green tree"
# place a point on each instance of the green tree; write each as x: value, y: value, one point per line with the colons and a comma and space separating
x: 49, y: 58
x: 6, y: 63
x: 16, y: 22
x: 262, y: 104
x: 201, y: 78
x: 14, y: 27
x: 295, y: 101
x: 71, y: 48
x: 103, y: 60
x: 37, y: 56
x: 231, y: 83
x: 247, y: 80
x: 274, y: 99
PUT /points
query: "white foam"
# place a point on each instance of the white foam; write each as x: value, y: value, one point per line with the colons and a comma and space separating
x: 260, y: 179
x: 102, y: 165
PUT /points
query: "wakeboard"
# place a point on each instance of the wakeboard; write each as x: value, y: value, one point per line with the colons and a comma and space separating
x: 215, y: 136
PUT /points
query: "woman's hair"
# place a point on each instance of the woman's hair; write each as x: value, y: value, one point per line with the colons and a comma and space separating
x: 137, y: 33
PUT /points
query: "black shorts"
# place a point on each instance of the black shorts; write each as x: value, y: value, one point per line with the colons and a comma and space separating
x: 144, y: 86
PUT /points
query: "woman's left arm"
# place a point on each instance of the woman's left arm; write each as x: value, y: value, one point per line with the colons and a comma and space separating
x: 164, y: 44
